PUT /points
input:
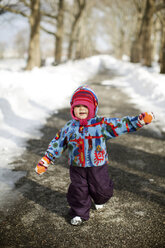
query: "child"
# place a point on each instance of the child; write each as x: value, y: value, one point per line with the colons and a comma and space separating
x: 85, y: 136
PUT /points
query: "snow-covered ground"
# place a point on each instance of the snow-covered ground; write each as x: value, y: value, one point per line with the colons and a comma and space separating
x: 28, y: 98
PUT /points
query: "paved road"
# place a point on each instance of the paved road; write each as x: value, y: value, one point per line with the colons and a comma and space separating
x: 132, y: 218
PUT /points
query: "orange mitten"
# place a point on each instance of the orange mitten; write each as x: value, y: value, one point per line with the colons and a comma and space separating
x: 145, y: 118
x: 42, y: 165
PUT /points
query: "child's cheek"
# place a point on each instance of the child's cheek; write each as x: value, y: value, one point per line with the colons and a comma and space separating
x: 75, y: 112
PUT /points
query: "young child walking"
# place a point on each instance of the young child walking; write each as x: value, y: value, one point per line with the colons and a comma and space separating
x: 85, y: 137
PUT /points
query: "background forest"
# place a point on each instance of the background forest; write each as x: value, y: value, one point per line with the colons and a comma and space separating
x: 75, y: 29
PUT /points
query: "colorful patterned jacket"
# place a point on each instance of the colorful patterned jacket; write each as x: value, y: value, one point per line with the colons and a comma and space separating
x: 87, y: 144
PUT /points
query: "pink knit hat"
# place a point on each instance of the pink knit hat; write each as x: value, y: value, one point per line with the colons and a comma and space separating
x: 84, y: 96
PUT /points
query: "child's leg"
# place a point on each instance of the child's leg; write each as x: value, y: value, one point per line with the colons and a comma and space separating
x: 78, y: 194
x: 100, y: 185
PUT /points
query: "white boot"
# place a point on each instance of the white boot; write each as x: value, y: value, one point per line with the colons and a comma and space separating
x: 99, y: 206
x: 76, y: 221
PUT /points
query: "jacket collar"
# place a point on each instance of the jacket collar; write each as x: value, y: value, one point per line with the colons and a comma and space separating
x: 77, y: 122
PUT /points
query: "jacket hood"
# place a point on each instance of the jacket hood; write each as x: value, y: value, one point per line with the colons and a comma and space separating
x: 86, y: 96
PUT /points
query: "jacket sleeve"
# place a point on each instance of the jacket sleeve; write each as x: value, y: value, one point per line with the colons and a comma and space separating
x: 58, y: 145
x: 114, y: 127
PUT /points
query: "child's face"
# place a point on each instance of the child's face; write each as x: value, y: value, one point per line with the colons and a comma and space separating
x: 81, y: 111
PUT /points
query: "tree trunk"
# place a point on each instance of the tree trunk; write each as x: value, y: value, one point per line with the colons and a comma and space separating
x: 81, y: 7
x: 120, y: 48
x: 162, y: 52
x: 72, y: 36
x: 146, y: 33
x: 136, y: 49
x: 59, y: 33
x: 34, y: 55
x: 70, y: 47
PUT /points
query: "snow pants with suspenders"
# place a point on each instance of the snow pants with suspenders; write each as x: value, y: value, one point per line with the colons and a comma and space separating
x: 87, y: 184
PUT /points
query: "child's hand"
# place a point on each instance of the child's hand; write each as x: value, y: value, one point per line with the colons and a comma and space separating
x: 42, y: 165
x: 146, y: 118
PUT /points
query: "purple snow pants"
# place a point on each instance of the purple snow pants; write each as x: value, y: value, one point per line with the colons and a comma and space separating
x: 87, y: 183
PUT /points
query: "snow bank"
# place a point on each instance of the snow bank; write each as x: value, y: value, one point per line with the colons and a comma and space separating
x: 27, y: 98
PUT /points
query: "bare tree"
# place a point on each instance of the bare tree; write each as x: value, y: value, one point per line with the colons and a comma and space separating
x: 53, y: 17
x: 162, y: 61
x: 75, y: 26
x: 34, y: 55
x: 142, y: 46
x: 146, y: 32
x: 60, y: 32
x: 79, y: 7
x: 161, y: 17
x: 89, y: 31
x: 21, y: 43
x: 136, y: 48
x: 31, y: 11
x: 119, y: 22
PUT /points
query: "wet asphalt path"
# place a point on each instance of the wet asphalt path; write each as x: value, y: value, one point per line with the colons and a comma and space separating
x: 133, y: 218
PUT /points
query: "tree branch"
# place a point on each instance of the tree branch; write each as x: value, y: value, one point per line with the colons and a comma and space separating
x: 161, y: 19
x: 138, y: 6
x: 47, y: 31
x: 10, y: 9
x: 43, y: 13
x: 25, y: 3
x: 160, y: 7
x: 79, y: 4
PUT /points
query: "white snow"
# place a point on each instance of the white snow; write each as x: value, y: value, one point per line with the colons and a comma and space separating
x: 145, y: 86
x: 27, y: 98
